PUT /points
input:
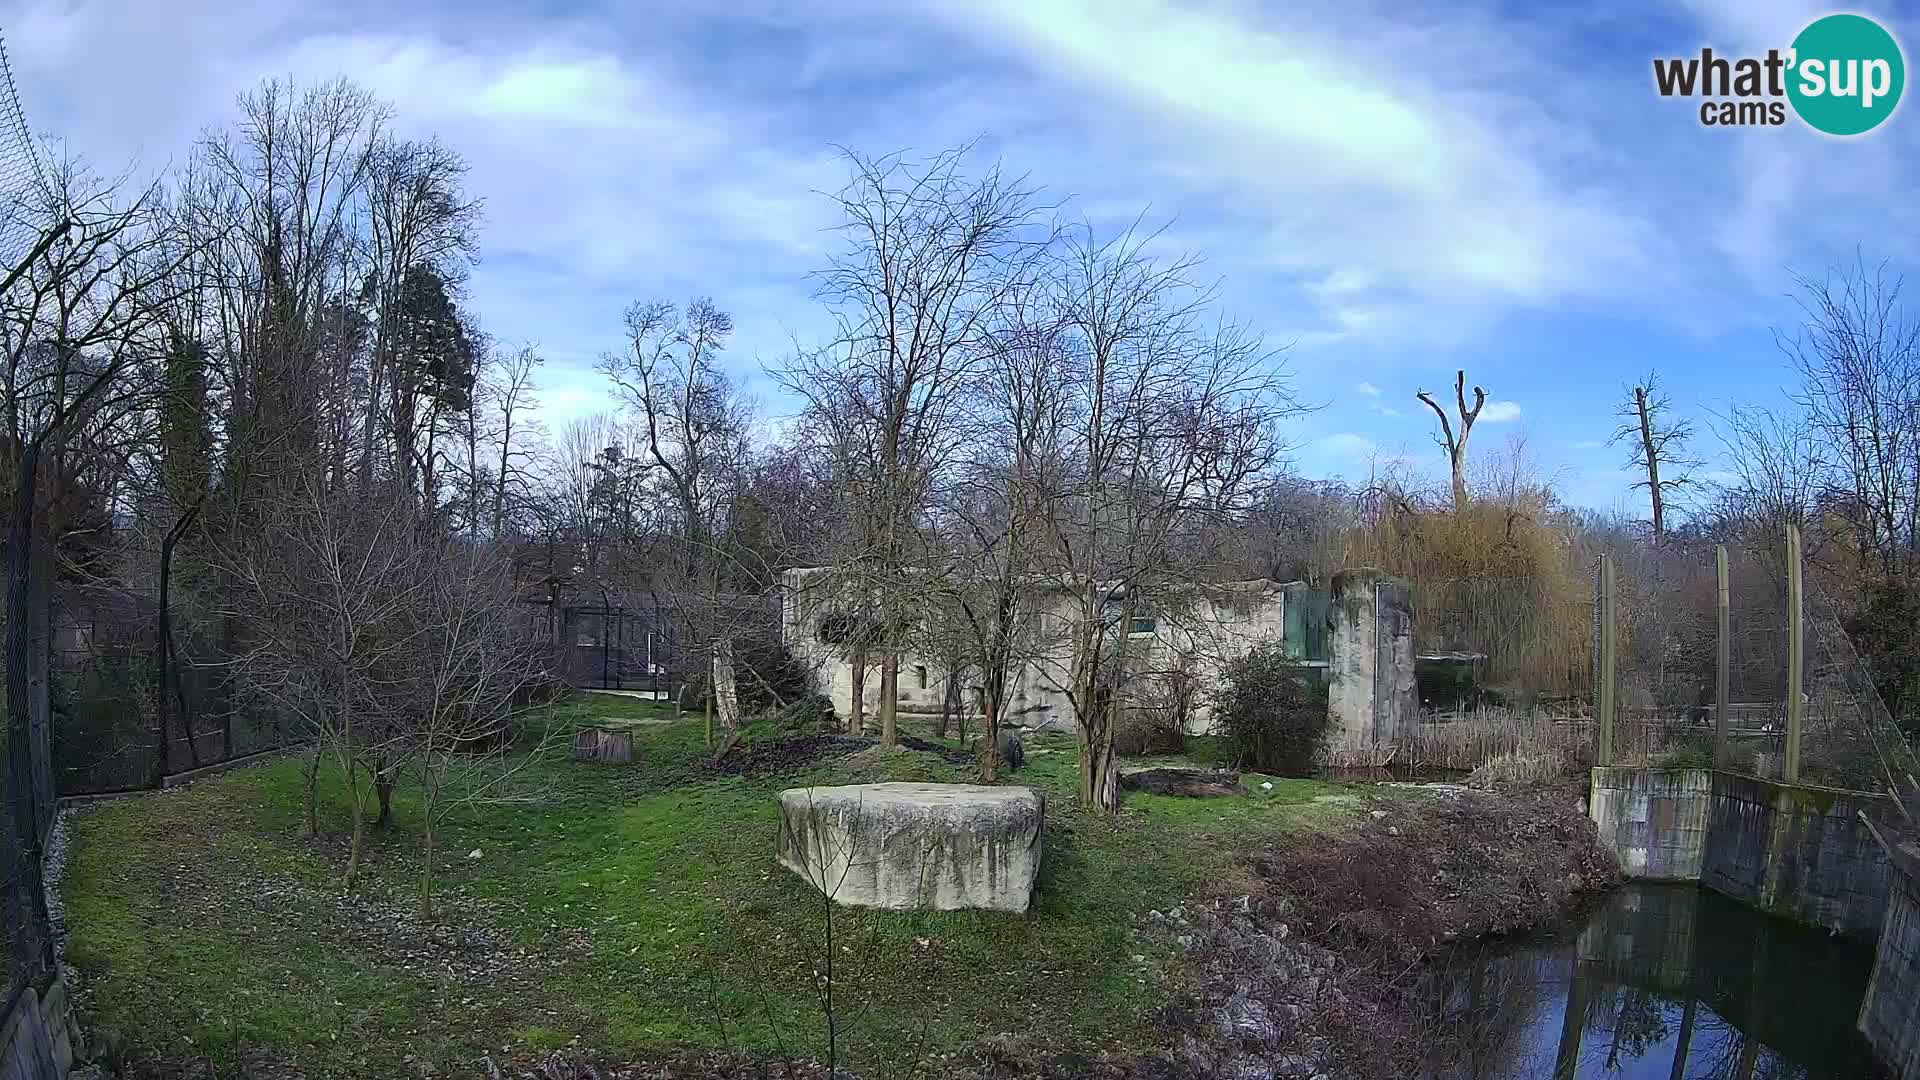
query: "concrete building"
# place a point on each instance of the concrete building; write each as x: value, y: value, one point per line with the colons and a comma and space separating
x: 1213, y: 624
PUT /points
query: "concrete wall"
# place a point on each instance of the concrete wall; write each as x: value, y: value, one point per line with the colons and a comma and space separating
x: 1371, y: 698
x: 1800, y: 852
x: 1793, y: 850
x: 37, y: 1036
x: 1655, y: 820
x: 1212, y: 627
x: 1890, y: 1012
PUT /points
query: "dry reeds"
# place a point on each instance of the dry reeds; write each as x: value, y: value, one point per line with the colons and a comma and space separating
x: 1528, y: 739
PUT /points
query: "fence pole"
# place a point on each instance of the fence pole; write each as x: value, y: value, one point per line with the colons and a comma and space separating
x: 1722, y: 674
x: 1604, y: 692
x: 1796, y: 654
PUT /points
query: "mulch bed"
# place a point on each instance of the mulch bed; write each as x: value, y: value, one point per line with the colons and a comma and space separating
x: 784, y: 755
x: 1192, y: 783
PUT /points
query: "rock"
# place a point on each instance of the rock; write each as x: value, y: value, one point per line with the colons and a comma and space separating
x: 915, y: 846
x: 1266, y: 785
x: 474, y: 854
x: 1378, y: 814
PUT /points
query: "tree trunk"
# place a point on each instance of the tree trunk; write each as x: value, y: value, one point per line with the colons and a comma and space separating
x: 857, y: 708
x: 1652, y: 455
x: 708, y: 696
x: 1458, y: 460
x: 949, y: 701
x: 383, y: 787
x: 889, y: 698
x: 1100, y: 772
x: 32, y: 939
x: 359, y: 838
x: 725, y: 686
x: 990, y: 735
x: 426, y: 867
x: 312, y: 779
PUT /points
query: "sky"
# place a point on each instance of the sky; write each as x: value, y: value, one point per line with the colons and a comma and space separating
x: 1388, y: 191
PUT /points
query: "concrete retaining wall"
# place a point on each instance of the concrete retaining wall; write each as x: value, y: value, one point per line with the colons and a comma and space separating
x: 37, y: 1036
x: 1890, y: 1013
x: 1655, y: 820
x: 1800, y: 852
x: 1792, y: 850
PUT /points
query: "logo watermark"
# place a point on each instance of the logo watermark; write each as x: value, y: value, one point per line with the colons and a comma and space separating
x: 1843, y: 75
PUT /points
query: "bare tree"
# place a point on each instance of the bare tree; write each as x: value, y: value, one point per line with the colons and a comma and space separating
x: 329, y: 581
x: 1167, y: 427
x: 1858, y: 356
x: 930, y: 254
x: 693, y: 427
x: 1456, y: 445
x: 462, y: 680
x: 1658, y: 445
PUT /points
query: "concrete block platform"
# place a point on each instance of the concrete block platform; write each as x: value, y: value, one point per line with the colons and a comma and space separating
x: 901, y: 846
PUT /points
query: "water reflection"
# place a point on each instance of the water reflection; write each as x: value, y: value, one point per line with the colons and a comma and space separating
x: 1659, y: 982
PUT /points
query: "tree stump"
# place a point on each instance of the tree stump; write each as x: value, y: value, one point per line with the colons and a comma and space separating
x: 602, y: 744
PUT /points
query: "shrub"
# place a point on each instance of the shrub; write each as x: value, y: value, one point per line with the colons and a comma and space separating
x: 1273, y: 712
x: 1145, y: 731
x: 813, y: 712
x: 1157, y: 721
x: 766, y: 675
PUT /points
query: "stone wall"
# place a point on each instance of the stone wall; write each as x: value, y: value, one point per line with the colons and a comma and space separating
x: 1790, y: 849
x: 37, y: 1036
x: 1799, y: 851
x: 1890, y: 1012
x: 1655, y: 820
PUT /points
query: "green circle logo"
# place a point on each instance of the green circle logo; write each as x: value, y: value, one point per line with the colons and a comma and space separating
x: 1847, y: 74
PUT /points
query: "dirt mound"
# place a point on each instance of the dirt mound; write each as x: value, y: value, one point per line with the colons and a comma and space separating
x: 1319, y: 969
x: 1419, y: 873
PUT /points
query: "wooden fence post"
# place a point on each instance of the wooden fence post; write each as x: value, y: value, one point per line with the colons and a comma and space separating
x: 1722, y: 674
x: 1604, y: 697
x: 1796, y: 655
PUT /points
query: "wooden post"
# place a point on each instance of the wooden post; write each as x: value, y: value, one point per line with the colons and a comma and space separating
x: 1796, y: 655
x: 1722, y: 673
x: 1604, y: 692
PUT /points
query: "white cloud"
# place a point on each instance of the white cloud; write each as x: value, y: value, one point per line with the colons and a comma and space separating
x: 1432, y: 202
x: 1348, y: 446
x: 1368, y: 389
x: 1500, y: 412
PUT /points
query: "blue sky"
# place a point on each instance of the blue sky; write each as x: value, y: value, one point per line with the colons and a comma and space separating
x: 1393, y: 190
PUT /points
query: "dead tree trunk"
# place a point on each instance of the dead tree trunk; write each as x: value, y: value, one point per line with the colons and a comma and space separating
x: 1456, y: 446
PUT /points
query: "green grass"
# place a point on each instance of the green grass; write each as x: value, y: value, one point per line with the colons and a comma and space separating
x: 643, y: 909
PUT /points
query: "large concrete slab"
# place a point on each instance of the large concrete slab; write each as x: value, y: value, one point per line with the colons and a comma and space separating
x: 915, y: 846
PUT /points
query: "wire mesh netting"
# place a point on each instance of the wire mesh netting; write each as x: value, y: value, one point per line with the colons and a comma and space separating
x: 1668, y: 644
x: 23, y: 185
x: 25, y: 814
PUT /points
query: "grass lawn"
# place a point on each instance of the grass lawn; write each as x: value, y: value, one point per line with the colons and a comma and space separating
x: 629, y: 909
